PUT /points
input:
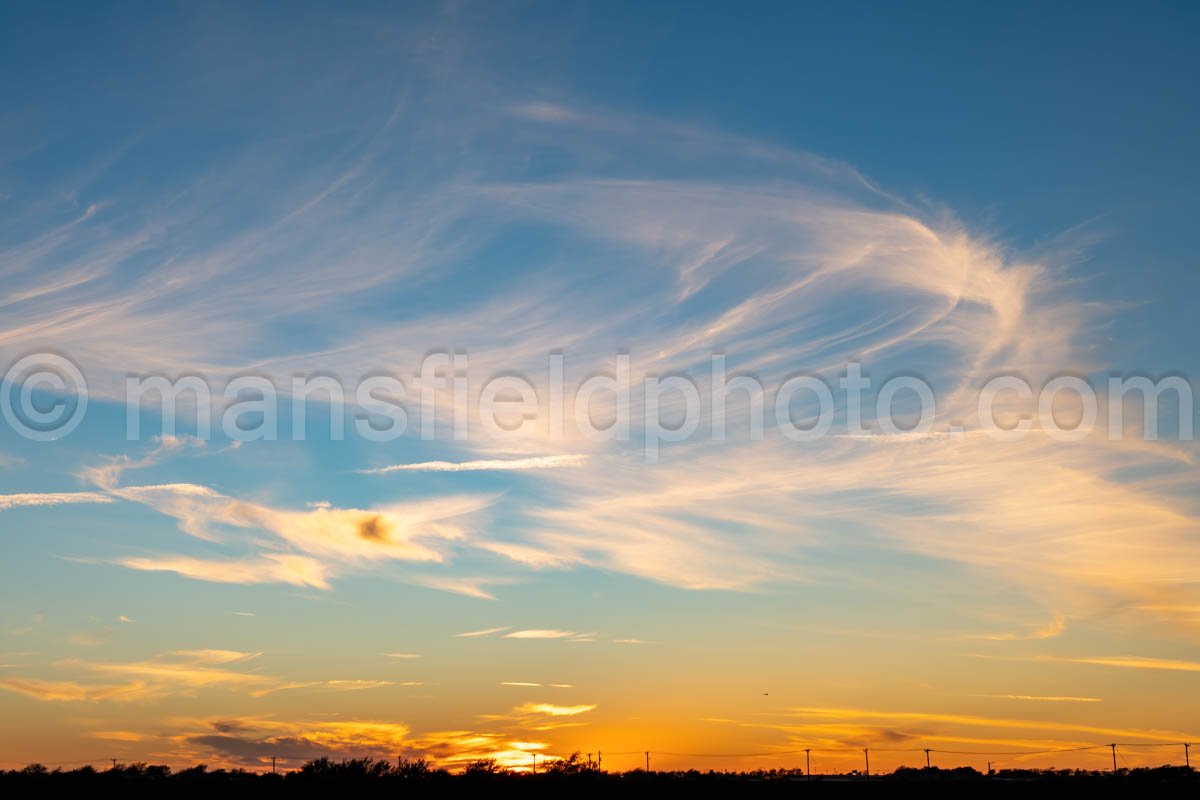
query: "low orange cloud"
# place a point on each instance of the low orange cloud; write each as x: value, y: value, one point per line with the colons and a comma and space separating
x: 254, y: 742
x: 552, y: 710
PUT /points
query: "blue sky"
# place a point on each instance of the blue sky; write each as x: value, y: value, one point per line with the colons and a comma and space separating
x: 939, y: 191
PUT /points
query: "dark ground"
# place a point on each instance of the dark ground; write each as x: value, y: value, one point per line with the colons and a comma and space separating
x: 365, y: 776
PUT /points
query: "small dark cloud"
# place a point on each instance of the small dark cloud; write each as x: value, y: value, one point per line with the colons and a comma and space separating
x: 894, y: 736
x: 254, y: 751
x: 373, y: 529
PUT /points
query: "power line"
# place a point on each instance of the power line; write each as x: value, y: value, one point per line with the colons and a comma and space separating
x: 808, y: 751
x: 1016, y: 752
x: 847, y: 750
x: 731, y: 755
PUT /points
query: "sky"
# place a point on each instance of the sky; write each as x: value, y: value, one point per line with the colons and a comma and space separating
x: 275, y: 193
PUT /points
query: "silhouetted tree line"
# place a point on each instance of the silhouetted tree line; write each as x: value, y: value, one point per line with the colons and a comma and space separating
x: 568, y: 773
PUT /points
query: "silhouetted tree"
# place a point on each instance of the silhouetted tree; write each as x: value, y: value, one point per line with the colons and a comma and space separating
x: 415, y: 768
x: 571, y: 765
x: 484, y: 766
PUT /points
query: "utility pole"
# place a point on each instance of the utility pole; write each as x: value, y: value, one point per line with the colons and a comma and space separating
x: 272, y: 765
x: 989, y: 768
x: 1187, y: 758
x: 926, y: 758
x: 1114, y: 752
x: 114, y: 762
x: 808, y: 764
x: 647, y: 761
x: 598, y: 760
x: 535, y: 763
x: 867, y: 757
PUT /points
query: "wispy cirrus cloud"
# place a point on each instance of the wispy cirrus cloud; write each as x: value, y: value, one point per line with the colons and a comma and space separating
x: 280, y: 568
x: 1055, y: 627
x: 120, y: 736
x: 325, y: 541
x: 1133, y: 662
x: 796, y: 263
x: 177, y: 673
x: 337, y: 685
x: 404, y: 531
x: 71, y: 691
x: 540, y: 633
x: 552, y: 710
x: 466, y: 585
x: 864, y: 716
x: 482, y: 632
x: 829, y: 269
x: 1039, y: 698
x: 527, y: 684
x: 532, y: 634
x: 183, y: 672
x: 484, y: 465
x: 8, y: 501
x: 107, y: 474
x: 542, y: 716
x: 215, y: 656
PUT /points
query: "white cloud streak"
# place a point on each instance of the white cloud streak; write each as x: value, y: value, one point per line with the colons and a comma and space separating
x: 1037, y: 698
x: 540, y: 633
x: 483, y: 632
x: 484, y: 465
x: 8, y: 501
